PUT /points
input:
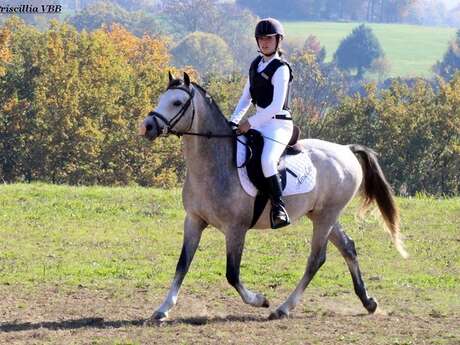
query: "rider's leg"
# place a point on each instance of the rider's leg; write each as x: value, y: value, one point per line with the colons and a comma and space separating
x: 276, y: 136
x: 278, y: 215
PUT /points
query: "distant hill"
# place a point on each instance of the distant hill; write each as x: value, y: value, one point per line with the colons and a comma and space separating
x: 411, y: 49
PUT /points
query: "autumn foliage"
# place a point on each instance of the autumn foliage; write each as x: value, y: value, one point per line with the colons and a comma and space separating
x: 70, y: 104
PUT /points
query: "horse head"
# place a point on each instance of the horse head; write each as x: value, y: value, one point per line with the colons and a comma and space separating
x: 175, y: 110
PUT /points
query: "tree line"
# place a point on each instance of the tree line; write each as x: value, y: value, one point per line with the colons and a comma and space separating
x: 381, y: 11
x: 70, y: 104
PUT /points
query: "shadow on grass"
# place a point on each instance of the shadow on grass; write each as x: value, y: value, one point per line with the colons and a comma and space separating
x: 96, y: 322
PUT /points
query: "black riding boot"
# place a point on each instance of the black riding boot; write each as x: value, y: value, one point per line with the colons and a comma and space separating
x: 278, y: 214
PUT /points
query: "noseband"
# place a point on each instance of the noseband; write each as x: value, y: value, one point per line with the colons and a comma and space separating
x: 170, y: 124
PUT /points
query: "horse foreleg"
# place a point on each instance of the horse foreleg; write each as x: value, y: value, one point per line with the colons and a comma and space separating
x: 316, y: 259
x: 193, y: 228
x: 235, y: 243
x: 346, y: 246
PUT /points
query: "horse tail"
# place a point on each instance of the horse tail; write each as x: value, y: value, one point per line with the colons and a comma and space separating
x: 376, y: 188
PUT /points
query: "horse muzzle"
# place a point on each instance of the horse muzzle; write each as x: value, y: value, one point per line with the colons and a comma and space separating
x: 148, y: 129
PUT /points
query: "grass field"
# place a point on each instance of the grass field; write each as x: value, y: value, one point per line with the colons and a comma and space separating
x: 412, y: 50
x: 87, y: 265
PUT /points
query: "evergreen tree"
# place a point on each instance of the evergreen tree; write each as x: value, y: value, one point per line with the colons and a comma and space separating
x: 358, y: 50
x: 450, y: 63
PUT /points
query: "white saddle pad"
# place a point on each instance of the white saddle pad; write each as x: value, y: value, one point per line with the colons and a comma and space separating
x: 299, y: 165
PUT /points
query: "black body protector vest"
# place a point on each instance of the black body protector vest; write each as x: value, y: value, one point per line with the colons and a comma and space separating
x: 260, y: 83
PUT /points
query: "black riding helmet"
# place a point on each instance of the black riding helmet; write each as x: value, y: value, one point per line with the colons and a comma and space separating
x: 269, y: 27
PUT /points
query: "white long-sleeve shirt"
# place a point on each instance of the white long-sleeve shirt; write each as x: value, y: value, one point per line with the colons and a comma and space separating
x: 280, y: 82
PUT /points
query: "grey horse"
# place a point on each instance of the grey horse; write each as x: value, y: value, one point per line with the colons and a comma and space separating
x: 212, y: 194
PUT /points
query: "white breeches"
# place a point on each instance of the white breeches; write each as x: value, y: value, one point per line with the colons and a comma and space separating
x: 280, y: 131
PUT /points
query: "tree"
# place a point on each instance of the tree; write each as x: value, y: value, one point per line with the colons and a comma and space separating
x: 70, y: 104
x: 206, y: 52
x: 381, y: 67
x: 101, y: 13
x: 450, y: 64
x: 354, y: 9
x: 227, y: 20
x: 395, y: 10
x: 312, y: 45
x: 415, y: 130
x: 194, y: 15
x: 427, y: 12
x: 5, y: 51
x: 17, y: 123
x: 238, y: 32
x: 316, y: 89
x: 225, y: 90
x: 358, y: 50
x: 297, y: 9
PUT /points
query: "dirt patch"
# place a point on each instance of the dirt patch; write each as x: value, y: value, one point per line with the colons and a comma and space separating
x: 88, y: 316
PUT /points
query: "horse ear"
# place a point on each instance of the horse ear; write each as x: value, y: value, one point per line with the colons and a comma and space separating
x: 186, y: 79
x: 170, y: 75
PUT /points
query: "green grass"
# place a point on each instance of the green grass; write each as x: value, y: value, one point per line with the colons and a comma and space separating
x: 101, y: 237
x: 412, y: 50
x: 69, y: 255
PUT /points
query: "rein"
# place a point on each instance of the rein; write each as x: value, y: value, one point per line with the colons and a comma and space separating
x: 170, y: 124
x: 168, y: 129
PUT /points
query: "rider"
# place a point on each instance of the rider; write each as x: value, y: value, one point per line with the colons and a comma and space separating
x: 268, y: 89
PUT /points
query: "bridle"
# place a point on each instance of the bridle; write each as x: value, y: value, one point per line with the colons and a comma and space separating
x: 170, y: 124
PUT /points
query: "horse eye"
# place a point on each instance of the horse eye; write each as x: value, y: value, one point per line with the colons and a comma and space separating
x: 177, y: 103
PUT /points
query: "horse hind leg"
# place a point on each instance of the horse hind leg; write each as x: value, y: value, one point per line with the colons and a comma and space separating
x: 321, y: 228
x: 346, y: 246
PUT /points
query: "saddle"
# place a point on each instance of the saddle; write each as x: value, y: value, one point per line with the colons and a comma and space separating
x: 255, y: 145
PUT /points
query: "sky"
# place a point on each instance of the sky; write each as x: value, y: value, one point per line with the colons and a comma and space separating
x: 451, y: 3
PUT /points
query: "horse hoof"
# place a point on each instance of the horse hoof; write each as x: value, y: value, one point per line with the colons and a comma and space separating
x: 159, y: 316
x: 265, y: 303
x: 278, y: 315
x: 371, y: 305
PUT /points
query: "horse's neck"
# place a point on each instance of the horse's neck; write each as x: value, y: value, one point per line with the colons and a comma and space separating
x: 212, y: 157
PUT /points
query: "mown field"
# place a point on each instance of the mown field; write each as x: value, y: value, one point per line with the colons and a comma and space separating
x: 88, y: 265
x: 412, y: 50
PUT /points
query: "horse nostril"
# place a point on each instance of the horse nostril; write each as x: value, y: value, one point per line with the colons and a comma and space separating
x: 149, y: 128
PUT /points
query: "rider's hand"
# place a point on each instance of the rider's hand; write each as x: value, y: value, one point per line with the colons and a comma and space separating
x: 233, y: 125
x: 244, y: 127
